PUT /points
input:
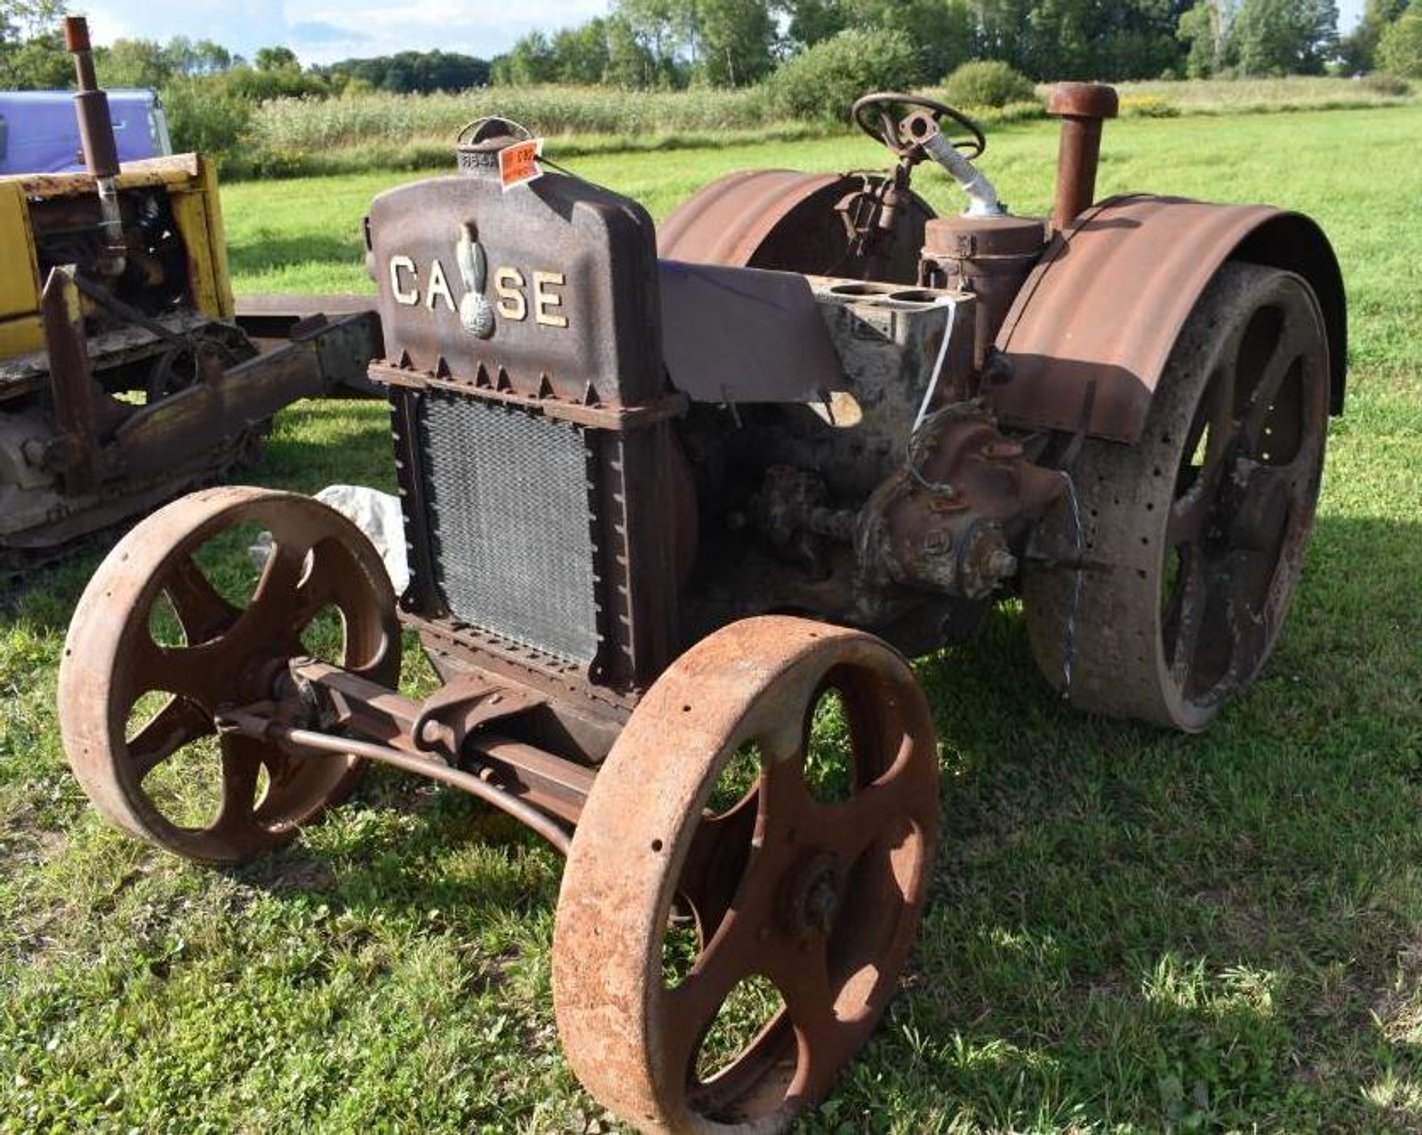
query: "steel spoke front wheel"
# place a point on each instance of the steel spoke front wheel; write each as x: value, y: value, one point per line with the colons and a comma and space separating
x: 156, y: 649
x: 747, y: 878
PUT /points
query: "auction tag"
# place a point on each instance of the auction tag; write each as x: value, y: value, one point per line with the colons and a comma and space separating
x: 519, y: 163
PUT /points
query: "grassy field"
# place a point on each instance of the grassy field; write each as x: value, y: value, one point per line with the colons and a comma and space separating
x: 357, y: 133
x: 1129, y: 930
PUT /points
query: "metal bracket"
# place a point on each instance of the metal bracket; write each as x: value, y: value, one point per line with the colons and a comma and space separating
x: 466, y: 704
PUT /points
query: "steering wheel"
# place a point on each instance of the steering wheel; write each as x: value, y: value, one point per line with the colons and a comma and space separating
x: 880, y: 115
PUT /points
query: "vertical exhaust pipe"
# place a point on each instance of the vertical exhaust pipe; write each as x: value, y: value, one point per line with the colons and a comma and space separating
x: 96, y: 132
x: 1082, y: 107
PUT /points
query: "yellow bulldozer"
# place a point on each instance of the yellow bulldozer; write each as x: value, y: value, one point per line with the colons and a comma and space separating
x: 125, y: 377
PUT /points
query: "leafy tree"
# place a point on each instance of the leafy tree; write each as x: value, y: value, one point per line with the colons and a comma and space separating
x: 1359, y: 48
x: 133, y: 63
x: 531, y: 60
x: 1285, y: 37
x: 581, y: 54
x: 37, y: 64
x: 812, y: 21
x: 736, y: 38
x: 630, y: 62
x: 662, y: 29
x: 1400, y: 45
x: 276, y: 59
x: 1205, y: 32
x: 32, y: 55
x: 408, y: 71
x: 204, y: 57
x: 205, y: 115
x: 23, y: 20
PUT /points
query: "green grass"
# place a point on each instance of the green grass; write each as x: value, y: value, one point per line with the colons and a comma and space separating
x: 1129, y: 930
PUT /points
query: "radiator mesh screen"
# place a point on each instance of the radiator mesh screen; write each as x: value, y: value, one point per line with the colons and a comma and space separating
x: 510, y: 522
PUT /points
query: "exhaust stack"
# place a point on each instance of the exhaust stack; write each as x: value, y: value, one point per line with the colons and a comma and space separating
x: 1082, y: 107
x: 96, y: 131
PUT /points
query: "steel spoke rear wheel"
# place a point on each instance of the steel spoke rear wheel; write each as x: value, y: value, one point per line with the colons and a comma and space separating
x: 1193, y: 539
x: 156, y: 648
x: 737, y: 906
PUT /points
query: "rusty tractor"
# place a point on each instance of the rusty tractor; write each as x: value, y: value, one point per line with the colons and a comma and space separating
x: 672, y: 507
x: 125, y: 378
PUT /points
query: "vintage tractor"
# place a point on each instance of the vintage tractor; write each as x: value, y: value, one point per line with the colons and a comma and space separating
x: 673, y: 525
x: 124, y: 377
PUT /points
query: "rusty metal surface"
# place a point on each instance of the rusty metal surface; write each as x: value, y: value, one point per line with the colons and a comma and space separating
x: 991, y: 257
x: 1081, y: 107
x: 949, y: 519
x: 553, y: 785
x: 271, y: 320
x: 793, y: 222
x: 534, y: 312
x: 821, y: 898
x: 1192, y: 540
x: 744, y: 335
x: 199, y: 416
x: 1091, y: 331
x: 298, y: 744
x: 72, y: 384
x: 228, y: 654
x: 96, y: 129
x: 174, y: 169
x: 564, y: 271
x: 84, y: 459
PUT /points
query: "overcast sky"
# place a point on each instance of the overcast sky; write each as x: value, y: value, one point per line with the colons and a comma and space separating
x: 322, y: 31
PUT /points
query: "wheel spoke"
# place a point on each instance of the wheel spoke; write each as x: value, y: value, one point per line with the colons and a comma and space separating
x: 803, y: 979
x: 1188, y: 608
x: 1292, y: 345
x: 1248, y: 629
x: 1189, y: 515
x: 242, y: 759
x: 277, y: 607
x: 1222, y: 423
x: 178, y: 723
x: 192, y: 673
x: 785, y: 797
x: 689, y: 1010
x: 716, y: 862
x: 848, y: 829
x: 203, y: 613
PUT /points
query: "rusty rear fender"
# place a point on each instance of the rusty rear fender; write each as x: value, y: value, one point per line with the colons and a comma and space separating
x: 1091, y: 331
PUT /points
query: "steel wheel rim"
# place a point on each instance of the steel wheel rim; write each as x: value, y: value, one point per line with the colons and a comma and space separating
x: 228, y: 656
x: 827, y: 915
x: 1244, y: 497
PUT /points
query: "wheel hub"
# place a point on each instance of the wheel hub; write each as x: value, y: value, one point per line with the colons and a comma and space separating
x: 812, y: 896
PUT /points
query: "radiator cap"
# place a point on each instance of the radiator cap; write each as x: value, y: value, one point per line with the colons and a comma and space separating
x: 479, y: 143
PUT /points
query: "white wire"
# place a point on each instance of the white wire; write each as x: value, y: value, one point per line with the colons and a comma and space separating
x: 952, y: 305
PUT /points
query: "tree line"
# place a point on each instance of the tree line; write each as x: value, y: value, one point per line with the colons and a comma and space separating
x: 671, y: 44
x: 677, y: 43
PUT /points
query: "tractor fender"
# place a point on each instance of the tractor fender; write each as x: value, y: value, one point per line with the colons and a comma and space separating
x: 787, y: 221
x: 1091, y: 330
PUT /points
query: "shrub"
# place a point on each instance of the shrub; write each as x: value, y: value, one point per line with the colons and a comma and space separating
x: 1147, y: 106
x: 204, y: 116
x: 988, y: 82
x: 824, y: 80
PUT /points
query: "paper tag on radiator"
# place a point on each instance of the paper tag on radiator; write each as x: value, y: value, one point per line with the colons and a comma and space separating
x: 519, y: 163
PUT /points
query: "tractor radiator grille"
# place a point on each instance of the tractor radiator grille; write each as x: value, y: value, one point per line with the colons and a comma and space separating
x: 510, y: 520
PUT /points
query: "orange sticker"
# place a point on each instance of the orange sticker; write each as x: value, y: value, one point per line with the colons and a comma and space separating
x: 519, y: 163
